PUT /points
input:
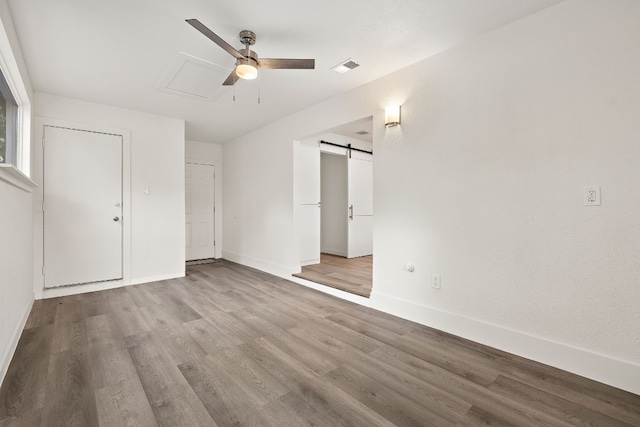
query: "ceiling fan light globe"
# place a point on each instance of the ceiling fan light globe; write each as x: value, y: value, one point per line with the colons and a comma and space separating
x: 246, y: 71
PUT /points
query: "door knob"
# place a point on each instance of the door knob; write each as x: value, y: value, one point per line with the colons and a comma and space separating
x: 116, y: 219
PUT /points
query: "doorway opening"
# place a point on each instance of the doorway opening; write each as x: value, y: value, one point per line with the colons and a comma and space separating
x: 335, y: 207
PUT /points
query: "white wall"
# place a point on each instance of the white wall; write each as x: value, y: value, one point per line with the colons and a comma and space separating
x: 257, y: 219
x: 157, y: 160
x: 210, y: 154
x: 482, y: 184
x: 333, y: 190
x: 16, y: 292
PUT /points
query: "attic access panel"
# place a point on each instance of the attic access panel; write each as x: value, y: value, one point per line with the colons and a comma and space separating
x: 194, y: 78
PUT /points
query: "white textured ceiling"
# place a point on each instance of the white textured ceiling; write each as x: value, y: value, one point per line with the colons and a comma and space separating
x: 356, y: 129
x: 115, y: 52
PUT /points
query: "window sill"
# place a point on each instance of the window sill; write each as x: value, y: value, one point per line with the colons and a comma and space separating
x: 12, y: 176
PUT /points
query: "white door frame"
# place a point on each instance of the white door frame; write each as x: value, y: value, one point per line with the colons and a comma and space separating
x: 217, y: 217
x: 38, y: 216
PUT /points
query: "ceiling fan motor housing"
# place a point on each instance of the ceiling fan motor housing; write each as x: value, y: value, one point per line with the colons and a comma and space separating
x: 249, y: 55
x: 247, y: 37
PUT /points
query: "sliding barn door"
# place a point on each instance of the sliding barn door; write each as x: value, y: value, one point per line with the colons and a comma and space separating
x: 82, y: 207
x: 360, y: 209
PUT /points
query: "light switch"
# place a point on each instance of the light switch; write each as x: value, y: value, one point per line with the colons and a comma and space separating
x: 592, y: 195
x: 146, y: 191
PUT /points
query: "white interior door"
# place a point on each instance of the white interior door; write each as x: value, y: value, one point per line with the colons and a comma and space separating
x: 200, y: 211
x: 308, y: 185
x: 82, y: 207
x: 360, y: 210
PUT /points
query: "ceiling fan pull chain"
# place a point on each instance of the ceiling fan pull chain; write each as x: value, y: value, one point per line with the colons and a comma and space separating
x: 234, y: 93
x: 258, y: 85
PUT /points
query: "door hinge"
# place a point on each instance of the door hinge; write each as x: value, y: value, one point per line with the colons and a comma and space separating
x: 43, y: 269
x: 42, y: 206
x: 43, y: 142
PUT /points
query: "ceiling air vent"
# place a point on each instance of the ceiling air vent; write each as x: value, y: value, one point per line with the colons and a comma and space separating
x: 362, y: 132
x: 345, y: 66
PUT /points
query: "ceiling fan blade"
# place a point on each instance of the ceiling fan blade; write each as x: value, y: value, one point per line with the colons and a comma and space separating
x: 287, y: 64
x: 232, y: 79
x: 214, y: 37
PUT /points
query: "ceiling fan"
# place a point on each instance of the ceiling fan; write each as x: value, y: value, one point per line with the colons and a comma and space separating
x: 247, y: 61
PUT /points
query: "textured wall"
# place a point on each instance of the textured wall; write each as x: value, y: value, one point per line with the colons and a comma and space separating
x: 498, y: 139
x: 16, y: 207
x: 16, y: 293
x: 482, y: 184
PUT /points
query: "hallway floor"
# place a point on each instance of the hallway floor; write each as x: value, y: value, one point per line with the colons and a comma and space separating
x: 353, y: 275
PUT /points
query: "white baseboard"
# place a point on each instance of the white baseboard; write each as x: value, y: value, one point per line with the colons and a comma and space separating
x: 310, y: 262
x: 617, y: 373
x: 261, y: 264
x: 148, y: 279
x: 15, y: 338
x: 337, y: 252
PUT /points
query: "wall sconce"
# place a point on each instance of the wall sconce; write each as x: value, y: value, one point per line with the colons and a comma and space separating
x: 392, y: 116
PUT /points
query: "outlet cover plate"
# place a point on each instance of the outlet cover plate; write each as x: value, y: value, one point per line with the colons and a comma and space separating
x: 435, y: 281
x: 591, y: 195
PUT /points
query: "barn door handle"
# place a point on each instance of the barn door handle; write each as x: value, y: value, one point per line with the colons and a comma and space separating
x: 351, y: 212
x: 116, y: 219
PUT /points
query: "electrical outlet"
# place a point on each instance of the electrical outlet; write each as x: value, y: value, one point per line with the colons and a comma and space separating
x: 435, y: 281
x: 592, y: 195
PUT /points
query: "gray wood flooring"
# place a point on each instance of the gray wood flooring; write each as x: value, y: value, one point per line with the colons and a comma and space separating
x: 353, y: 275
x: 232, y: 346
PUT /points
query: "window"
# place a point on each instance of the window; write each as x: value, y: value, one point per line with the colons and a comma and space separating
x: 8, y: 124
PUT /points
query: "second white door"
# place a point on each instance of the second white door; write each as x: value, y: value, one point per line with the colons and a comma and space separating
x: 200, y: 211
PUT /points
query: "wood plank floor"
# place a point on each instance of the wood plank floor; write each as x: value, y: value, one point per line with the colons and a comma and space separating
x: 354, y: 275
x: 232, y: 346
